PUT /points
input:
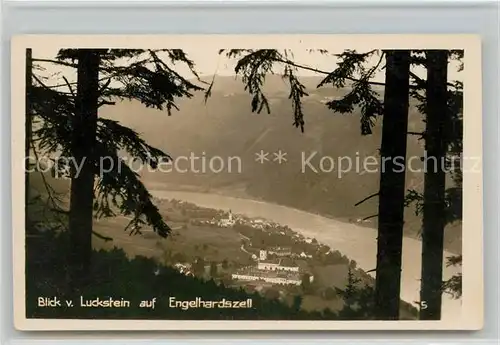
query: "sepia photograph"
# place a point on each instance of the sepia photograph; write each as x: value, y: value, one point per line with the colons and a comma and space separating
x: 296, y: 182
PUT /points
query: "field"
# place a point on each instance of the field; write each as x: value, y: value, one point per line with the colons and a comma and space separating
x: 212, y: 243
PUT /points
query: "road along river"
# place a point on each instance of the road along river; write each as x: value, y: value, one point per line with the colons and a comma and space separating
x: 356, y: 242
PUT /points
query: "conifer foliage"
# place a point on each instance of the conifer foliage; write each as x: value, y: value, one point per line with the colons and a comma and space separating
x: 66, y: 124
x: 355, y: 70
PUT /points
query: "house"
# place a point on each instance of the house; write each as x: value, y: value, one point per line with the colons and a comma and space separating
x: 268, y: 265
x: 227, y: 222
x: 280, y: 251
x: 184, y: 269
x: 277, y: 265
x: 280, y: 278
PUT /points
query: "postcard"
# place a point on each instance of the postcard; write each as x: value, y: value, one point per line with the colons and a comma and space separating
x: 236, y: 182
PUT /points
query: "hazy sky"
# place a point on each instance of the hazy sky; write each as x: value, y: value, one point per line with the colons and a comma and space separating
x: 209, y: 62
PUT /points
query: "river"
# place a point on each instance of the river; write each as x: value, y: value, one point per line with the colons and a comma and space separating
x: 356, y: 242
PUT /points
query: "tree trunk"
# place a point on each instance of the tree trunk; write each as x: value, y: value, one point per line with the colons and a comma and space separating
x: 84, y: 126
x: 434, y: 185
x: 28, y: 129
x: 392, y: 185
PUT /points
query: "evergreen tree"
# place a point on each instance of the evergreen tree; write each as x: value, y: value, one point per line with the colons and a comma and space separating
x: 199, y: 267
x: 29, y: 86
x: 297, y: 303
x: 453, y: 286
x: 306, y: 282
x: 392, y: 185
x: 439, y: 205
x: 28, y: 133
x: 349, y: 292
x: 83, y: 146
x: 434, y: 184
x: 213, y: 270
x: 358, y: 301
x: 69, y: 124
x: 253, y: 65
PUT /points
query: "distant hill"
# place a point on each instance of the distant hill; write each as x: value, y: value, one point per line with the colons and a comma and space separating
x: 224, y: 126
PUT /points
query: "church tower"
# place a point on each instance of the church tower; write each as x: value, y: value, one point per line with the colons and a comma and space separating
x: 263, y: 255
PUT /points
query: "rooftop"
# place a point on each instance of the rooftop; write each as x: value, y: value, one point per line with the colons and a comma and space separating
x: 251, y: 271
x: 273, y: 261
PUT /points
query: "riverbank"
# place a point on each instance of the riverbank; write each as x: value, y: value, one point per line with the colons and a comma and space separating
x: 356, y: 242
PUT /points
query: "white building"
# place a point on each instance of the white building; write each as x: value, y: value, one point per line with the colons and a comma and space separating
x: 227, y: 222
x: 274, y: 265
x: 280, y: 251
x: 267, y: 265
x: 281, y: 280
x: 184, y: 269
x: 242, y: 276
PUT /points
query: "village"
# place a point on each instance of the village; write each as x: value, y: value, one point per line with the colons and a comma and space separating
x: 271, y: 264
x: 254, y: 254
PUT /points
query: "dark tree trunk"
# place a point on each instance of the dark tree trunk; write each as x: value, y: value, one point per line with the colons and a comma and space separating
x: 392, y: 185
x: 434, y: 185
x: 28, y: 129
x: 84, y: 127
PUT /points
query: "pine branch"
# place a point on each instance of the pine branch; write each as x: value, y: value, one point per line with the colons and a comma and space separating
x: 370, y: 217
x: 255, y: 65
x: 60, y: 85
x: 50, y: 191
x: 297, y: 92
x: 307, y: 68
x: 104, y: 87
x: 151, y: 81
x: 118, y: 138
x: 414, y: 197
x: 102, y: 237
x: 121, y: 188
x: 208, y: 93
x: 421, y: 83
x: 367, y: 198
x: 104, y: 102
x: 418, y: 86
x: 375, y: 67
x: 57, y: 62
x: 49, y: 88
x: 416, y: 133
x: 69, y: 87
